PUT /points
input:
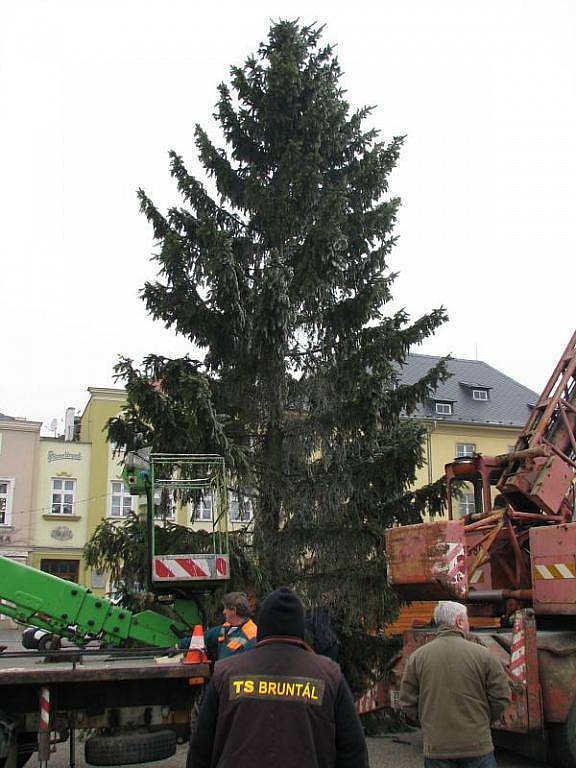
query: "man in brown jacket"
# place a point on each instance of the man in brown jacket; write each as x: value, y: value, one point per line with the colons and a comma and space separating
x: 456, y: 689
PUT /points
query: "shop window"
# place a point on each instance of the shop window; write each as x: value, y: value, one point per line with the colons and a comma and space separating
x: 64, y: 569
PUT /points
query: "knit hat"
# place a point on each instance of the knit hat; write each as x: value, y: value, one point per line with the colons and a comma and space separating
x: 281, y: 615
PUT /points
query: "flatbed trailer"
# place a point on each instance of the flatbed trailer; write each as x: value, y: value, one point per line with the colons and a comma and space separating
x: 142, y: 700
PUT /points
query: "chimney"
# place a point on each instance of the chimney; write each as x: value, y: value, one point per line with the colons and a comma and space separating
x: 69, y: 425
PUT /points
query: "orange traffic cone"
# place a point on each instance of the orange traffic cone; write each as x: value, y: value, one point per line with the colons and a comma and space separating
x: 196, y: 653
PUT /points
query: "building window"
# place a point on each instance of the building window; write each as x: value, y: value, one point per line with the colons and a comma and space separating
x: 202, y: 511
x: 465, y: 449
x: 240, y: 512
x: 479, y: 394
x: 63, y: 493
x: 64, y: 569
x: 467, y: 506
x: 121, y: 503
x: 444, y: 409
x: 164, y: 505
x: 5, y: 502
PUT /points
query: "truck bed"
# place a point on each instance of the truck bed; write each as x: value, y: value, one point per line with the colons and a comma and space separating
x: 94, y: 687
x: 64, y: 667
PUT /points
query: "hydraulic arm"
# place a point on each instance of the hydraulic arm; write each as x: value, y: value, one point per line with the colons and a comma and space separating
x: 72, y: 611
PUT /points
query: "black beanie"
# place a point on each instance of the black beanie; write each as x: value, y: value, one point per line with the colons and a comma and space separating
x: 281, y: 615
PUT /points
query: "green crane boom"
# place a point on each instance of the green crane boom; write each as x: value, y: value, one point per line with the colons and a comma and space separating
x: 72, y: 611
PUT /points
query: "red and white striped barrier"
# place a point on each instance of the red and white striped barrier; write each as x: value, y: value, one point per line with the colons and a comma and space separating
x: 457, y: 568
x: 451, y: 568
x: 167, y: 568
x: 372, y: 700
x: 44, y: 709
x: 44, y: 728
x: 518, y: 650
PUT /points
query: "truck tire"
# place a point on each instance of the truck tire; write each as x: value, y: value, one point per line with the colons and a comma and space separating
x: 21, y: 760
x: 23, y: 756
x: 128, y: 749
x: 563, y: 741
x: 26, y: 747
x: 32, y: 637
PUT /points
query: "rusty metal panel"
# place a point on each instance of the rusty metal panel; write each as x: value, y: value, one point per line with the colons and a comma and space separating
x: 482, y: 576
x: 553, y: 555
x: 552, y: 484
x: 520, y: 716
x: 557, y: 665
x: 427, y: 561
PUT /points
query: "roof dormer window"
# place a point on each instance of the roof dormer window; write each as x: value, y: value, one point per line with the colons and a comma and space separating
x: 480, y: 394
x: 444, y: 408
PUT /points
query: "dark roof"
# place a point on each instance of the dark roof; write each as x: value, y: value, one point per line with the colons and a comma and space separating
x: 3, y: 417
x: 509, y: 403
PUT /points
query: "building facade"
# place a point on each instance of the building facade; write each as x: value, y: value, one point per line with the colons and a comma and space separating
x: 19, y: 449
x: 104, y: 403
x: 477, y: 410
x: 61, y: 514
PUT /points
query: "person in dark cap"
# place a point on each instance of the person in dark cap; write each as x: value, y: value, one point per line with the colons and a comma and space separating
x: 279, y: 705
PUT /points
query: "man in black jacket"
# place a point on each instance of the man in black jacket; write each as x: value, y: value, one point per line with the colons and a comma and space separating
x: 280, y: 704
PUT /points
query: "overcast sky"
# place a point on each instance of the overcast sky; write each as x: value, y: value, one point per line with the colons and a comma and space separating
x: 95, y: 93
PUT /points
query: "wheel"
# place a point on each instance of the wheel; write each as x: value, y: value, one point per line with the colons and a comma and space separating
x: 24, y: 754
x: 563, y: 740
x: 32, y: 636
x: 128, y: 749
x: 49, y: 643
x: 25, y: 750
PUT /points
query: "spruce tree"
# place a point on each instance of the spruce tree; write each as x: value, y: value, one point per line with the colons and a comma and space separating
x: 276, y: 271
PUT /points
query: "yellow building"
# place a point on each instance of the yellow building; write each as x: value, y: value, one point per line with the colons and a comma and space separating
x: 106, y: 489
x: 61, y: 513
x: 104, y: 404
x: 478, y: 410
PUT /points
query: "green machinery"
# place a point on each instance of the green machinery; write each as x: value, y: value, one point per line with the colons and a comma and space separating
x: 66, y: 609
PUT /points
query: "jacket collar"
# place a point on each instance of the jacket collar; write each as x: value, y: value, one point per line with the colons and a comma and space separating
x: 227, y: 623
x: 445, y: 631
x: 276, y: 639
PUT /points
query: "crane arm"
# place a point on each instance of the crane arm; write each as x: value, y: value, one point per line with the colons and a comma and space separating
x: 70, y: 610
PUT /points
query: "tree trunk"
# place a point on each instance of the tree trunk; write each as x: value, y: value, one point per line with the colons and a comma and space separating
x: 271, y: 501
